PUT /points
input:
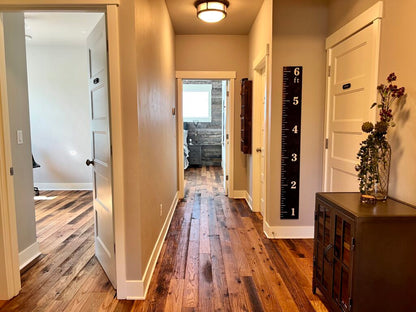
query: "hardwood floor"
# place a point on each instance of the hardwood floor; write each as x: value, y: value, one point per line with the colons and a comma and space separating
x: 215, y: 258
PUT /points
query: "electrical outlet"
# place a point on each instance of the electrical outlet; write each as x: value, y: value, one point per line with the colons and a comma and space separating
x: 19, y: 137
x: 161, y: 209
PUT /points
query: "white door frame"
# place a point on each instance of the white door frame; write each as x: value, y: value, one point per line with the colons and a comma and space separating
x: 371, y: 16
x: 207, y: 75
x: 9, y: 263
x: 260, y: 68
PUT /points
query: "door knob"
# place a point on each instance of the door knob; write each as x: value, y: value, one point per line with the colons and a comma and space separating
x: 258, y: 149
x: 89, y: 162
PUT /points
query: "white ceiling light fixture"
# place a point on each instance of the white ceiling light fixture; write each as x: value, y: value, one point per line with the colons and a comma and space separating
x: 211, y: 11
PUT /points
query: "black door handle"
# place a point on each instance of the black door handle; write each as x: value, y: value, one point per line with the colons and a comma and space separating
x: 89, y: 162
x: 96, y: 80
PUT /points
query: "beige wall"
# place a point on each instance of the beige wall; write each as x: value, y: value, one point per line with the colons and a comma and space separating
x: 148, y: 95
x: 259, y: 37
x: 397, y: 54
x: 17, y: 92
x: 299, y: 32
x: 219, y: 53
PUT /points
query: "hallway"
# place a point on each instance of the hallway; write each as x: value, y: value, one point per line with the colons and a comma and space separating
x: 215, y: 258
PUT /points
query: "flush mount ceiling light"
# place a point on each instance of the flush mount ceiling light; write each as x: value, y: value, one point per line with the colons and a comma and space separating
x: 211, y: 11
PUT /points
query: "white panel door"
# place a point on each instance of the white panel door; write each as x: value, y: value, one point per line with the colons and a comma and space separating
x: 352, y: 90
x: 101, y: 150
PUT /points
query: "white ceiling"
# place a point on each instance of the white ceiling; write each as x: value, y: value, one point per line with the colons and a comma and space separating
x: 58, y: 28
x: 240, y: 16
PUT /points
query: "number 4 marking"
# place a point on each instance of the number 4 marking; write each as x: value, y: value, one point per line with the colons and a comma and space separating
x: 295, y: 129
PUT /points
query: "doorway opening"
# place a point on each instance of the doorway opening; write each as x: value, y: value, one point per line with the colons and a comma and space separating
x: 65, y: 80
x: 204, y: 118
x: 205, y: 122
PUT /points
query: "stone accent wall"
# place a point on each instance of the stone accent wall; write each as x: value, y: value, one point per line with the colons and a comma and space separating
x: 208, y: 134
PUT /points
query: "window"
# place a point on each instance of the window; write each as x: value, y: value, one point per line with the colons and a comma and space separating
x: 197, y: 102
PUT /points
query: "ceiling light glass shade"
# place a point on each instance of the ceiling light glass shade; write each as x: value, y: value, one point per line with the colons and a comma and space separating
x: 211, y: 11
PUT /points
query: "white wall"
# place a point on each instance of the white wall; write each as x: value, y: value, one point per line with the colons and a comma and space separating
x: 59, y: 115
x: 19, y: 119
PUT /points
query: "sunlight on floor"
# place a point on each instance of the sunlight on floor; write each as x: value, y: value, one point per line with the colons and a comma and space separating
x: 44, y: 197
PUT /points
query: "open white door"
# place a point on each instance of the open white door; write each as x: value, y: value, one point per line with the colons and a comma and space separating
x: 101, y: 150
x: 352, y: 89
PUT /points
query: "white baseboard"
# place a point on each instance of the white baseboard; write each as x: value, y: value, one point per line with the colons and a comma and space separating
x: 286, y: 232
x: 137, y: 289
x: 28, y: 255
x: 249, y: 200
x: 64, y: 186
x: 239, y: 194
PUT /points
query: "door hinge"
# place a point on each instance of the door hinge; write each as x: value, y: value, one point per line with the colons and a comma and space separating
x: 228, y: 93
x: 352, y: 243
x: 11, y: 171
x: 326, y: 143
x: 114, y: 248
x: 226, y: 178
x: 329, y: 71
x: 227, y: 136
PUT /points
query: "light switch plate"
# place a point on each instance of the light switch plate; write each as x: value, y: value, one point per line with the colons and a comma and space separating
x: 19, y: 137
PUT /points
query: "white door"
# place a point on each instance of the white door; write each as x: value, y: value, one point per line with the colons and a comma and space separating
x: 263, y: 145
x: 101, y: 150
x: 224, y: 135
x: 352, y: 90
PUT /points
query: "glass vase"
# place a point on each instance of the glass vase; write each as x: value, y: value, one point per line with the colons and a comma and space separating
x: 381, y: 178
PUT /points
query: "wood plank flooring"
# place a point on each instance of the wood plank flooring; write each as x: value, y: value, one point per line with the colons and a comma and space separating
x: 215, y: 258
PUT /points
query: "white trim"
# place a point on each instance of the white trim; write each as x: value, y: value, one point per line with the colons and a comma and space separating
x: 260, y: 68
x: 179, y: 127
x: 117, y: 161
x: 206, y: 75
x: 249, y: 200
x: 11, y: 286
x: 64, y: 186
x: 9, y: 258
x: 358, y: 23
x: 239, y: 194
x: 23, y: 4
x: 229, y: 148
x: 28, y: 255
x: 137, y: 289
x: 213, y: 75
x: 288, y: 232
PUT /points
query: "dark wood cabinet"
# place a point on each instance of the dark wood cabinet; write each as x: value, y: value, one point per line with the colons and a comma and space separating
x: 364, y: 254
x: 246, y: 114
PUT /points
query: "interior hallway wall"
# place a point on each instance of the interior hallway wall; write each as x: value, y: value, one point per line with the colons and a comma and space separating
x: 60, y: 115
x: 299, y: 32
x: 397, y: 54
x: 17, y: 92
x: 147, y: 63
x: 219, y: 53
